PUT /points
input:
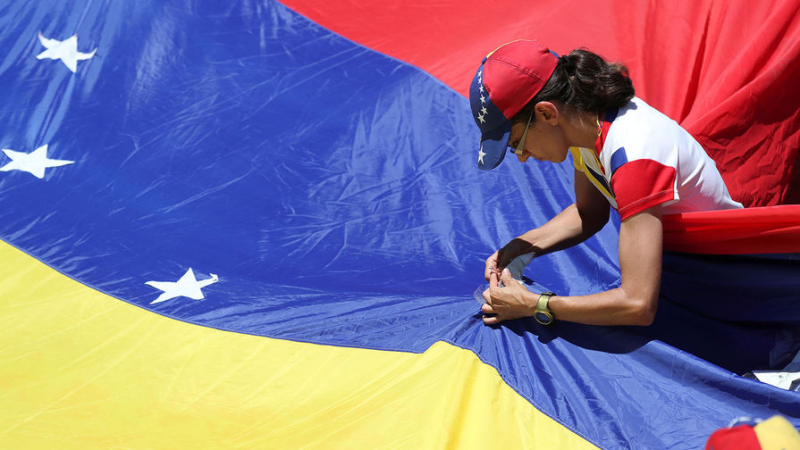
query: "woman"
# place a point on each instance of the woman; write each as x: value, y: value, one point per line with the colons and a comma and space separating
x: 626, y: 154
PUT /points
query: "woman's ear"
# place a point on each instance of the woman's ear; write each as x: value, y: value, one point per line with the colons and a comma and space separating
x: 547, y: 112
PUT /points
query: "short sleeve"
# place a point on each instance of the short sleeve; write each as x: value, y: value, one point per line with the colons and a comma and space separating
x: 642, y: 184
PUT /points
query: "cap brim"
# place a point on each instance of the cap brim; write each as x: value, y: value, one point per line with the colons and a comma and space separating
x: 494, y: 145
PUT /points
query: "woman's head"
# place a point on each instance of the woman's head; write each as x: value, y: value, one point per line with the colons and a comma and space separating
x: 523, y: 81
x: 583, y: 82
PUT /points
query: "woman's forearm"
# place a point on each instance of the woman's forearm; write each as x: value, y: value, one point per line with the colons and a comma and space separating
x: 565, y: 230
x: 613, y: 307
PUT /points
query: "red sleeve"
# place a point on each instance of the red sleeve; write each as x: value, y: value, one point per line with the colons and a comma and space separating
x: 641, y: 184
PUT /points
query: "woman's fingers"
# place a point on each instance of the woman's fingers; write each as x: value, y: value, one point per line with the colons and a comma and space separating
x: 494, y: 280
x: 491, y: 264
x: 491, y: 320
x: 489, y: 314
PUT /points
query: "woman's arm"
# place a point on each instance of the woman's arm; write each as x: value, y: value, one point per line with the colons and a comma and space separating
x: 633, y: 303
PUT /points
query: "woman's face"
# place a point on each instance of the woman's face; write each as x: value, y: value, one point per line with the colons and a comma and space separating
x: 545, y: 140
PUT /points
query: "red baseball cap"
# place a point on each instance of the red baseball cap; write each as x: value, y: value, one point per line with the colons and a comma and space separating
x: 506, y: 81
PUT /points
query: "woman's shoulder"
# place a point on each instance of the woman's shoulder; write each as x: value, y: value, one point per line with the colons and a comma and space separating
x: 638, y: 111
x: 643, y: 132
x: 638, y: 124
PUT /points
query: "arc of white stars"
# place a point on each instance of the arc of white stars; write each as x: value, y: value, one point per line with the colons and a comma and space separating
x: 483, y: 113
x: 481, y: 154
x: 66, y: 51
x: 34, y: 163
x: 186, y: 286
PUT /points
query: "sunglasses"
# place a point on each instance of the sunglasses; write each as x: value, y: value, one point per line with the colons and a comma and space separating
x: 521, y: 144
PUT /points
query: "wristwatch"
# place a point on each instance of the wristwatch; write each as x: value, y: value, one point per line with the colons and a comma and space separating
x: 542, y: 313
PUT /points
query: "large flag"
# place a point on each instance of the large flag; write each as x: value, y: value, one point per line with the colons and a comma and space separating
x: 253, y: 225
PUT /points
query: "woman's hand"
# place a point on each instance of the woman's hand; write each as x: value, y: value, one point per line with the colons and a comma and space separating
x: 491, y: 267
x: 501, y: 258
x: 510, y: 301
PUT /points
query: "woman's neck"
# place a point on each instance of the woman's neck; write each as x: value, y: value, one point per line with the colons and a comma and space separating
x: 582, y: 129
x: 587, y: 130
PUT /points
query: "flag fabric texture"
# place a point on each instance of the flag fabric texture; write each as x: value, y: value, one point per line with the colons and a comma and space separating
x: 259, y: 225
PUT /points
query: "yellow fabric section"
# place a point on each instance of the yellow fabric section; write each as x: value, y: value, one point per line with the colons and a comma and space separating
x: 776, y: 433
x: 81, y: 370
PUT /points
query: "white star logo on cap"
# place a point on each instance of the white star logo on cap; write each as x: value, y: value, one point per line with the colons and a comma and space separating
x: 481, y: 154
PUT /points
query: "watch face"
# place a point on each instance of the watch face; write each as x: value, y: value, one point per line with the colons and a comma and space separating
x: 543, y: 318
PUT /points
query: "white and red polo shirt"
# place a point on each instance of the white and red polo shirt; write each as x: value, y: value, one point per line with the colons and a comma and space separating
x: 645, y: 159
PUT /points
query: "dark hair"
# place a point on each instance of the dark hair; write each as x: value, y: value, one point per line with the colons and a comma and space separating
x: 586, y: 82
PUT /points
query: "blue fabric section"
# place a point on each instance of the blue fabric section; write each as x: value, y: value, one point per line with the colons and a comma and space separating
x: 333, y: 191
x: 740, y: 311
x: 619, y: 158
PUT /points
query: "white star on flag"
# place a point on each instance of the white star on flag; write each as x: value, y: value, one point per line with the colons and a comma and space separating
x: 480, y: 117
x: 187, y: 286
x: 66, y: 51
x: 34, y: 163
x: 481, y: 154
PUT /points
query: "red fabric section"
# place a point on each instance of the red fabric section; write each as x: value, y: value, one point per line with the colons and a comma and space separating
x: 742, y: 437
x: 743, y: 98
x: 725, y: 69
x: 642, y: 184
x: 771, y: 229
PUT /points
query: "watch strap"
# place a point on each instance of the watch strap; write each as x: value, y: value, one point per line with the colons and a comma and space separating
x: 543, y: 308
